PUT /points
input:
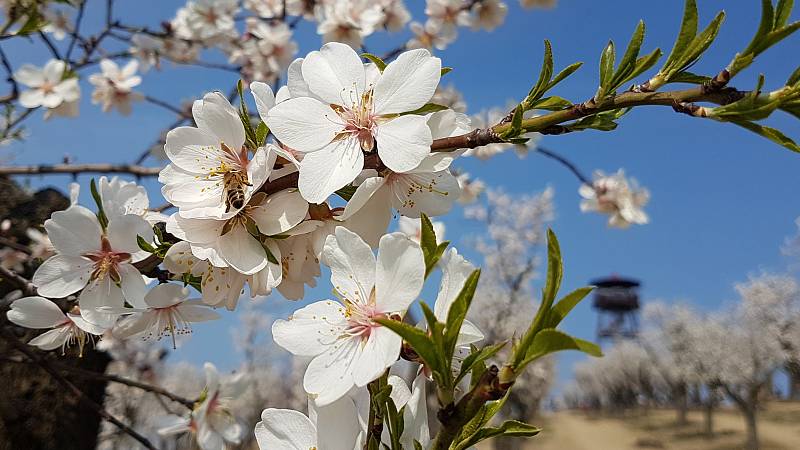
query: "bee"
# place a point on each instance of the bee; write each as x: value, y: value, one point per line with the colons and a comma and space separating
x: 234, y: 182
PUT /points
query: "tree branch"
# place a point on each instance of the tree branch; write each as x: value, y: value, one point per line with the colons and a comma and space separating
x: 45, y: 365
x: 75, y: 169
x: 13, y: 278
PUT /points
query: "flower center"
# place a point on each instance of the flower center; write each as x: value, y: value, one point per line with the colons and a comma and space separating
x: 359, y: 121
x: 106, y: 261
x: 169, y: 321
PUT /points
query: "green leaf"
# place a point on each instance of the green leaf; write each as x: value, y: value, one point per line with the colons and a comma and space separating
x: 458, y: 312
x: 427, y: 240
x: 270, y: 257
x: 244, y: 116
x: 550, y: 341
x: 701, y: 43
x: 545, y: 74
x: 144, y: 245
x: 770, y: 133
x: 34, y: 23
x: 686, y: 34
x: 477, y: 357
x: 418, y: 340
x: 628, y: 60
x: 782, y: 13
x: 347, y: 192
x: 689, y: 77
x: 426, y: 109
x: 445, y: 71
x: 565, y: 305
x: 764, y: 27
x: 507, y: 428
x: 607, y: 59
x: 376, y: 60
x: 553, y: 103
x: 794, y: 78
x: 101, y: 215
x: 261, y: 133
x: 567, y: 71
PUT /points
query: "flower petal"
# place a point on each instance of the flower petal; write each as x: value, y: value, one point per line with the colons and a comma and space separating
x: 285, y: 429
x: 380, y: 352
x: 192, y: 149
x: 265, y: 99
x: 329, y: 375
x: 407, y: 83
x: 399, y: 274
x: 329, y: 169
x: 352, y: 265
x: 304, y: 124
x: 335, y: 74
x: 455, y: 271
x: 215, y: 114
x: 35, y: 312
x: 242, y: 251
x: 311, y: 330
x: 122, y: 232
x: 74, y: 231
x: 404, y: 142
x: 280, y: 212
x: 429, y: 193
x: 53, y: 339
x: 62, y: 275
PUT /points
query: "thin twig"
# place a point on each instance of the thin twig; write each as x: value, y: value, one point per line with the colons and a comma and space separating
x: 45, y: 365
x: 76, y: 30
x: 12, y: 277
x: 50, y: 45
x: 166, y: 106
x: 74, y: 169
x: 566, y: 163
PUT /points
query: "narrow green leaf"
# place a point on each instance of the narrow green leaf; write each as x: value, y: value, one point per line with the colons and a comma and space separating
x: 552, y: 103
x: 261, y: 133
x: 567, y: 71
x: 764, y: 27
x: 425, y: 109
x: 346, y: 192
x: 144, y: 245
x: 770, y: 133
x: 418, y: 340
x: 686, y: 34
x: 101, y: 214
x: 476, y: 357
x: 376, y: 60
x: 607, y: 59
x: 700, y: 44
x: 689, y: 77
x: 545, y: 74
x: 445, y: 71
x: 565, y: 305
x: 270, y: 257
x: 427, y: 240
x: 628, y: 60
x: 507, y: 428
x: 782, y: 13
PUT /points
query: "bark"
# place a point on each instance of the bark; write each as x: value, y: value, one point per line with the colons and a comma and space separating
x: 681, y: 400
x: 708, y: 419
x: 752, y: 428
x: 793, y: 371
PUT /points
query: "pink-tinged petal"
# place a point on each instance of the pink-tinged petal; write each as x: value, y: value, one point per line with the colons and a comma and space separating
x: 304, y: 124
x: 286, y: 429
x: 407, y: 83
x: 380, y: 352
x: 166, y: 295
x: 265, y: 99
x: 35, y: 312
x: 429, y: 193
x: 352, y: 265
x: 193, y: 149
x: 325, y: 171
x: 280, y: 212
x: 69, y: 90
x: 335, y: 74
x: 399, y: 274
x: 132, y: 285
x: 311, y: 330
x: 329, y: 375
x: 208, y: 438
x: 74, y: 231
x: 242, y: 251
x: 214, y: 114
x: 62, y: 275
x: 97, y: 295
x: 212, y: 378
x: 122, y: 232
x: 404, y: 142
x: 53, y: 339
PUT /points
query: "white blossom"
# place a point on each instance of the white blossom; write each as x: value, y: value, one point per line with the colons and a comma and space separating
x: 50, y: 88
x: 113, y: 87
x: 615, y: 195
x: 67, y: 329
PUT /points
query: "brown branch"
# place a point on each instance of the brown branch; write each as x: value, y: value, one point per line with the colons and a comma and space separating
x: 13, y: 278
x: 45, y: 365
x: 74, y: 169
x: 132, y: 383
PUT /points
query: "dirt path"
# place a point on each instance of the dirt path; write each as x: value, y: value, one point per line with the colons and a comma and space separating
x: 571, y: 430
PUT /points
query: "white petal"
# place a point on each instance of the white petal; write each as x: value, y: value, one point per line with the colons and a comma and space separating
x: 199, y: 231
x: 264, y: 98
x: 404, y: 142
x: 295, y: 83
x: 380, y: 352
x: 304, y: 124
x: 192, y: 149
x: 280, y: 212
x: 179, y: 260
x: 469, y: 334
x: 399, y: 274
x: 363, y: 194
x: 429, y: 193
x: 32, y: 98
x: 216, y: 115
x: 35, y: 312
x: 329, y: 376
x: 134, y: 325
x: 285, y: 429
x: 74, y: 231
x: 400, y: 391
x: 52, y: 339
x: 198, y: 313
x: 29, y: 75
x: 242, y: 251
x: 62, y: 275
x: 335, y: 74
x: 371, y: 221
x: 455, y: 271
x: 165, y: 295
x: 311, y: 330
x: 327, y: 170
x: 99, y: 294
x: 132, y: 285
x: 338, y: 423
x: 123, y: 230
x: 407, y: 83
x: 352, y: 265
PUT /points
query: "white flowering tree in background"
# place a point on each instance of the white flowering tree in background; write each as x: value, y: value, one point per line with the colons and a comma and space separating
x: 292, y: 177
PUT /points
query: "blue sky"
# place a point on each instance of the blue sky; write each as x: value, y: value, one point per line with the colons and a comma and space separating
x: 723, y: 199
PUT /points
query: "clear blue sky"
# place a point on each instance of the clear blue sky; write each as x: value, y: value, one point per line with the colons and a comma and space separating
x: 723, y: 200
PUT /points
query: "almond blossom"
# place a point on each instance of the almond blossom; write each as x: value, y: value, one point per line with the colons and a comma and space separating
x: 616, y: 196
x: 243, y: 242
x: 67, y: 329
x: 349, y: 113
x: 94, y: 258
x: 336, y: 423
x: 413, y: 229
x: 347, y: 346
x: 168, y: 312
x: 210, y: 21
x: 488, y: 14
x: 113, y: 87
x: 49, y: 88
x: 210, y: 174
x: 212, y: 421
x: 348, y: 21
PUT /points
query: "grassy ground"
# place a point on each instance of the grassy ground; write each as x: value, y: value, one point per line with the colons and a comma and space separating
x: 779, y: 428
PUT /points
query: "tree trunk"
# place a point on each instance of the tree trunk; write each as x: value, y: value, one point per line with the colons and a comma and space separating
x: 793, y: 371
x: 709, y: 418
x: 681, y: 400
x: 752, y: 428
